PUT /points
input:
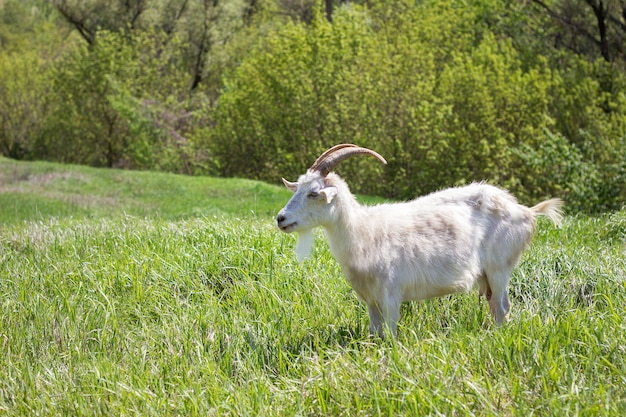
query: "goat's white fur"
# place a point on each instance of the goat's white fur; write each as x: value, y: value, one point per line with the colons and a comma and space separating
x: 442, y: 243
x: 304, y: 245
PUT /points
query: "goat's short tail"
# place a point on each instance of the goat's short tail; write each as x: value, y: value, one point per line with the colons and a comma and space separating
x: 551, y: 209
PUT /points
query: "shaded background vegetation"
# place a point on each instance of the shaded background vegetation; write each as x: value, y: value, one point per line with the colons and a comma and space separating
x: 530, y: 95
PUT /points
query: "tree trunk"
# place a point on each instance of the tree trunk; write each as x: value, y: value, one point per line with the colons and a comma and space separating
x: 329, y: 10
x: 601, y: 13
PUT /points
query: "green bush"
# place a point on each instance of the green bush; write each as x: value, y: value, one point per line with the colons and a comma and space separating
x: 432, y: 88
x: 113, y: 105
x: 307, y: 88
x: 23, y: 91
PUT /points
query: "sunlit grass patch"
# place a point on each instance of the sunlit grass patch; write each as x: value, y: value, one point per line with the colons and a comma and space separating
x: 191, y: 314
x: 214, y: 316
x: 41, y: 190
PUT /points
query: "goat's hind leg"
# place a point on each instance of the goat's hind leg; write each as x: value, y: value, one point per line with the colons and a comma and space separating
x: 497, y: 294
x: 483, y: 287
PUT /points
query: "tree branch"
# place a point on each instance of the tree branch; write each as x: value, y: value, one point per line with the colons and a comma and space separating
x: 77, y: 22
x: 600, y: 13
x: 204, y: 44
x: 135, y: 10
x: 169, y: 27
x: 579, y: 29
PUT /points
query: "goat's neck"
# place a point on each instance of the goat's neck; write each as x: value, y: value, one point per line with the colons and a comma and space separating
x: 344, y: 233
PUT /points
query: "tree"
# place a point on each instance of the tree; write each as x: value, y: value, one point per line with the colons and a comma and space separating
x: 113, y: 104
x: 440, y: 90
x: 589, y: 27
x: 200, y: 24
x: 88, y: 17
x: 24, y: 90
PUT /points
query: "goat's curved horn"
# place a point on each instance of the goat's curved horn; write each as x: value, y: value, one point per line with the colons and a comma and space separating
x: 329, y: 159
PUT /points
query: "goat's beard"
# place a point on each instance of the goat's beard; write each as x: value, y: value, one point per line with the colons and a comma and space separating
x: 304, y: 246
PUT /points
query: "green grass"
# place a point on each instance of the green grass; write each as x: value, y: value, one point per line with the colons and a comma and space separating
x: 166, y: 298
x: 37, y: 191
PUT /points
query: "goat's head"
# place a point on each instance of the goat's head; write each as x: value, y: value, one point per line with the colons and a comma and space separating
x: 313, y: 199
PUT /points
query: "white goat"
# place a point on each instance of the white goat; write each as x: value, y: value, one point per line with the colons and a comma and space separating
x: 443, y: 243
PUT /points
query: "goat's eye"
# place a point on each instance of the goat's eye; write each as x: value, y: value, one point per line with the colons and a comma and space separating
x: 313, y: 194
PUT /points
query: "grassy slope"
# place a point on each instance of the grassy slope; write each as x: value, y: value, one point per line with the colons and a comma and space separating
x: 35, y: 191
x: 114, y: 310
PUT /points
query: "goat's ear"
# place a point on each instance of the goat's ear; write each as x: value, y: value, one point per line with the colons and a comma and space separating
x: 329, y: 193
x: 291, y: 186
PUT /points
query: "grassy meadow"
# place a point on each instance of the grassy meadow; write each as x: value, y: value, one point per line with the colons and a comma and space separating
x: 135, y: 293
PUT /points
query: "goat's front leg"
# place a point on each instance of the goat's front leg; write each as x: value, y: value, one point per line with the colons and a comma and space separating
x: 383, y: 314
x: 376, y: 320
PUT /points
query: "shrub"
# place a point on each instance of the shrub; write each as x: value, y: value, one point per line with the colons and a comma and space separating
x: 24, y: 91
x: 113, y: 105
x: 444, y: 97
x: 441, y: 115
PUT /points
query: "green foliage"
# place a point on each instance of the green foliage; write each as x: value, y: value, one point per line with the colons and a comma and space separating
x: 128, y: 96
x: 614, y: 229
x: 113, y: 105
x: 569, y: 175
x: 28, y: 36
x: 203, y: 26
x: 24, y: 91
x: 26, y: 25
x: 589, y: 112
x: 302, y: 72
x: 461, y: 105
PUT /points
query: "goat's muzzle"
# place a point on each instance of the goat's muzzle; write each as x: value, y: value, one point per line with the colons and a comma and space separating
x: 281, y: 222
